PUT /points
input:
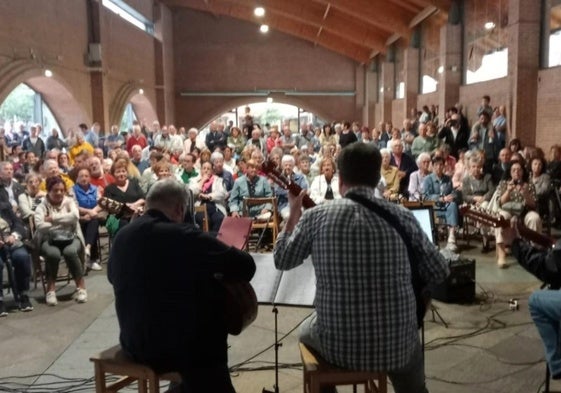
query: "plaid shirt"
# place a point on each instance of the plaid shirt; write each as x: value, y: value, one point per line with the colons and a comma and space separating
x: 364, y: 298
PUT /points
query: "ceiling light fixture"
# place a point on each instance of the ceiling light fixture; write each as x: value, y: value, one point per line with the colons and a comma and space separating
x: 140, y: 91
x: 264, y: 28
x: 259, y: 11
x: 489, y: 25
x: 269, y: 100
x: 440, y: 69
x: 48, y: 73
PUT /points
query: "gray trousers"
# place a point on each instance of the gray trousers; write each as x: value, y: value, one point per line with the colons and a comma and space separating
x: 53, y: 255
x: 409, y: 379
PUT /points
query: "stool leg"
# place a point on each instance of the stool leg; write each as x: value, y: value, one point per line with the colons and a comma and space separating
x: 142, y: 386
x: 99, y: 378
x: 154, y: 384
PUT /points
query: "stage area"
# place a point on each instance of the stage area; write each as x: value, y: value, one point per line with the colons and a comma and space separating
x: 493, y: 350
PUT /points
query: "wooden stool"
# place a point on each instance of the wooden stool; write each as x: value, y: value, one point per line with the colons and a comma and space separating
x: 114, y: 361
x: 318, y: 373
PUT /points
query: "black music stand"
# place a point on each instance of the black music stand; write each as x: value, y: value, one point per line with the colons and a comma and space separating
x: 294, y: 288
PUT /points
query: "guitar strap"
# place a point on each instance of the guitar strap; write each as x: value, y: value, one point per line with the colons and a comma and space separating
x: 416, y: 280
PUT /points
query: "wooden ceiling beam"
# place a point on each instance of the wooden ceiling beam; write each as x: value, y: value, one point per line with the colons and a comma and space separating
x: 393, y: 19
x: 326, y: 39
x: 315, y: 15
x: 444, y: 5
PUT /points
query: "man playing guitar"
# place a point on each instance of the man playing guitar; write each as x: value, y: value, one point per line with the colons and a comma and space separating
x: 365, y: 304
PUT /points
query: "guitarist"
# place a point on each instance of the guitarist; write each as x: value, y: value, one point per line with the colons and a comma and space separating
x: 545, y: 305
x: 169, y: 304
x: 365, y: 303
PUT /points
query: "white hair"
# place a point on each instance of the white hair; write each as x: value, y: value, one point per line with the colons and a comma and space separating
x: 216, y: 156
x: 385, y: 152
x: 288, y: 158
x: 193, y: 129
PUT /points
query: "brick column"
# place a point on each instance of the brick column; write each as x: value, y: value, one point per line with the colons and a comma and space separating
x: 386, y: 96
x: 523, y: 65
x: 99, y: 113
x: 412, y: 71
x: 372, y: 88
x: 451, y: 61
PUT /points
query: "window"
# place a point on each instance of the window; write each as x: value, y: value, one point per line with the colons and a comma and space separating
x: 130, y: 15
x: 26, y: 106
x: 399, y: 71
x: 554, y: 44
x: 430, y: 53
x: 486, y: 40
x: 128, y: 117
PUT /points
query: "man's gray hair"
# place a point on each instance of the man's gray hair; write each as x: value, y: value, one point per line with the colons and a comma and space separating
x: 288, y: 158
x: 216, y: 156
x: 165, y: 194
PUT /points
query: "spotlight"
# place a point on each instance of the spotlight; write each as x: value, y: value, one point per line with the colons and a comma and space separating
x: 269, y: 100
x: 141, y: 91
x: 440, y: 69
x: 48, y: 73
x: 259, y: 11
x: 489, y: 26
x: 264, y: 28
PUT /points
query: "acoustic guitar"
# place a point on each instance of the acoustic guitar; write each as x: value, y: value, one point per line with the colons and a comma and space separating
x: 498, y: 221
x: 240, y: 301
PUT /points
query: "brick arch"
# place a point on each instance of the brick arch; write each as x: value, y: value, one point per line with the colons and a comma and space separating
x: 56, y: 93
x: 226, y: 105
x: 142, y: 107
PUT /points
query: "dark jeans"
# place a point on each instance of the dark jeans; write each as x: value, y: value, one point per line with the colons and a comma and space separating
x: 90, y: 229
x: 21, y: 263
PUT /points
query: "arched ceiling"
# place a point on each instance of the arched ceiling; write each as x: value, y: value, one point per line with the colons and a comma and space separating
x: 358, y: 29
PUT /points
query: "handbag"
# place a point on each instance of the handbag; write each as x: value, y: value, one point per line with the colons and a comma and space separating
x: 61, y: 237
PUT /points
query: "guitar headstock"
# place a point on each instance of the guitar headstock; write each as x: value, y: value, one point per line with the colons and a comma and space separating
x: 270, y: 169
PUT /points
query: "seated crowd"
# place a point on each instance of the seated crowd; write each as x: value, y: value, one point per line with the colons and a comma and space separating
x: 83, y: 182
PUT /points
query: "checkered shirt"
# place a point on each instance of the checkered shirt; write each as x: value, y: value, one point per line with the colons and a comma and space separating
x: 364, y: 298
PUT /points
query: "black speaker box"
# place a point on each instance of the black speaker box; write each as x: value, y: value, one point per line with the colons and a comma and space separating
x: 459, y: 287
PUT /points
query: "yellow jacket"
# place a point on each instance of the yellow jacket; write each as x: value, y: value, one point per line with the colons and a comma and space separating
x: 77, y: 149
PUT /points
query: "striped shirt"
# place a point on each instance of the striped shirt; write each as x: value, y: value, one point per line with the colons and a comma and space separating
x: 364, y: 298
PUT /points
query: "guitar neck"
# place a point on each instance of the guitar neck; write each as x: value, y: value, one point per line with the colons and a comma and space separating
x: 536, y: 237
x: 498, y: 221
x: 282, y: 181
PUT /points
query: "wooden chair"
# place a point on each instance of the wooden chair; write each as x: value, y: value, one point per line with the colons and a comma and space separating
x: 114, y: 361
x: 202, y: 209
x: 262, y: 225
x: 318, y: 373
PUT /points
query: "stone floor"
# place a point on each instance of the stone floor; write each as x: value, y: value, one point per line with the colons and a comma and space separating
x: 486, y: 347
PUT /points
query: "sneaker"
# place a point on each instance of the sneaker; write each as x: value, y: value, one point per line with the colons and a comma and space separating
x: 51, y: 299
x: 95, y: 266
x: 3, y: 312
x: 81, y: 295
x: 25, y: 304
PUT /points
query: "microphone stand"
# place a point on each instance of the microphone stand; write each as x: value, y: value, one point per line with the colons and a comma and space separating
x: 276, y: 346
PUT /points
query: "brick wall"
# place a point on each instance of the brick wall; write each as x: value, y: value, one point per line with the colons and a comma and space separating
x: 209, y: 57
x: 548, y: 127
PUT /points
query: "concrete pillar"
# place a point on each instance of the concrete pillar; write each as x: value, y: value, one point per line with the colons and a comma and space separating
x: 523, y: 66
x: 451, y: 61
x: 412, y: 71
x: 387, y: 95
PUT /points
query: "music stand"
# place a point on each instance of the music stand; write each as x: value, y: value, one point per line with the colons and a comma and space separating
x: 424, y: 214
x: 296, y: 287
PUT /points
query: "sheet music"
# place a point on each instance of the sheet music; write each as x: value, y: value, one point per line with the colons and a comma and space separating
x: 296, y: 287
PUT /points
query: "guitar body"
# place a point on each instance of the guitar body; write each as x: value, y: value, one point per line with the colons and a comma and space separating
x: 241, y: 305
x: 240, y: 299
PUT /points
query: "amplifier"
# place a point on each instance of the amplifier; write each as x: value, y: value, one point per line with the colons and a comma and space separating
x: 459, y: 287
